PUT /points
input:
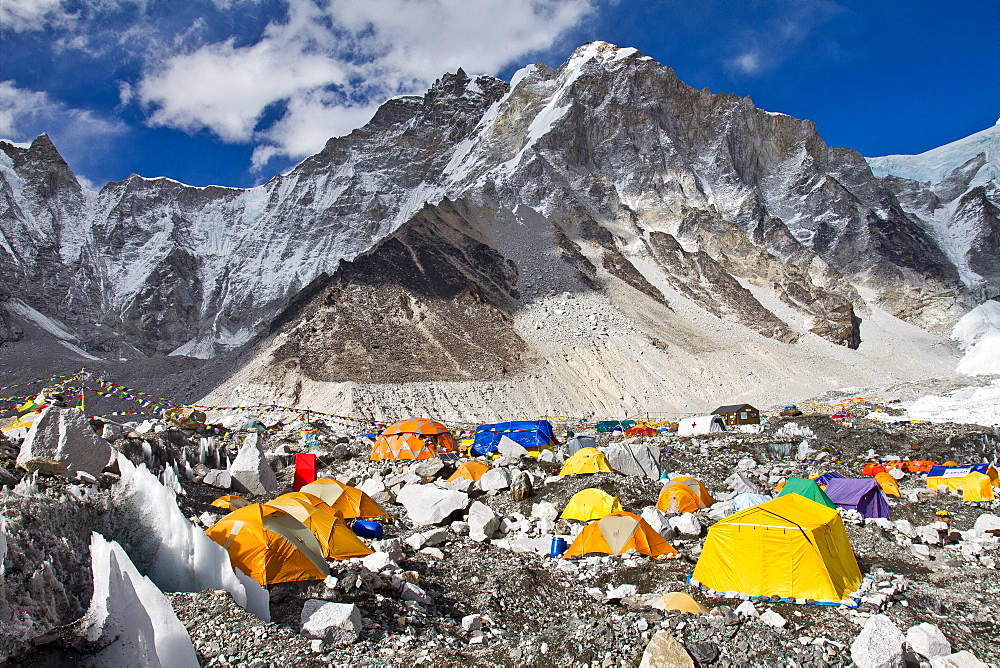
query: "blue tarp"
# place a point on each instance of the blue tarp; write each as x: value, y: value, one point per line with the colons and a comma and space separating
x: 748, y: 500
x: 827, y: 477
x: 529, y: 434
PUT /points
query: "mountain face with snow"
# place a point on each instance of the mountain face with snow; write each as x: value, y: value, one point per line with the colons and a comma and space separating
x: 953, y: 192
x: 600, y: 237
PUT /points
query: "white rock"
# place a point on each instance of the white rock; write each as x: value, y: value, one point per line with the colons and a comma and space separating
x: 905, y: 527
x: 746, y: 464
x: 495, y: 478
x: 927, y: 640
x: 686, y: 524
x: 620, y: 592
x: 250, y: 471
x: 411, y: 592
x: 472, y: 622
x: 483, y: 522
x: 897, y: 474
x: 547, y: 456
x: 659, y: 522
x: 963, y: 659
x: 427, y: 504
x: 740, y: 484
x: 333, y: 623
x: 929, y: 535
x: 65, y: 435
x: 544, y: 510
x: 747, y: 609
x: 510, y: 448
x: 879, y: 645
x: 219, y: 478
x: 435, y: 536
x: 987, y: 522
x: 920, y: 551
x: 416, y: 541
x: 379, y: 561
x: 433, y: 552
x: 771, y: 618
x: 804, y: 451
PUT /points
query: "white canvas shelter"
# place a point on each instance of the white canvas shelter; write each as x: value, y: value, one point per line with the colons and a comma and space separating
x: 701, y: 424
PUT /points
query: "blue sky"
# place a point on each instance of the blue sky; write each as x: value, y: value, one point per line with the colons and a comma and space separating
x: 232, y: 92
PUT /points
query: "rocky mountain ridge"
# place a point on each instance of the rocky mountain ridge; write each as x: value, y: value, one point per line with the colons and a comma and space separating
x: 460, y: 237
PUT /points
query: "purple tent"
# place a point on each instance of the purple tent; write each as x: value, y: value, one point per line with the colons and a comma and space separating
x: 862, y: 494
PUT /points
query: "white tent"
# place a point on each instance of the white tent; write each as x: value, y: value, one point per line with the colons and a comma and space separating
x: 701, y: 424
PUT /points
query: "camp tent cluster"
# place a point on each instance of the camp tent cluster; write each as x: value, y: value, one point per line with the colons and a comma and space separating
x: 290, y: 538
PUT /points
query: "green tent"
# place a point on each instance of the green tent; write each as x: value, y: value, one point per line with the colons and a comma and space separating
x: 809, y: 489
x: 608, y: 426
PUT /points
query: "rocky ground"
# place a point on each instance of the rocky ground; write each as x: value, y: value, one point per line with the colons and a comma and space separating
x: 436, y: 596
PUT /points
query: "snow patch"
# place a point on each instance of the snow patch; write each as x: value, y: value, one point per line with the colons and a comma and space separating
x: 978, y: 334
x: 968, y: 405
x: 50, y: 325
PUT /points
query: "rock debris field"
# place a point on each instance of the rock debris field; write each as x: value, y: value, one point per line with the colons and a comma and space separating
x: 463, y: 576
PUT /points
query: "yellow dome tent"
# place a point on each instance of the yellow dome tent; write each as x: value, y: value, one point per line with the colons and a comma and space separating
x: 230, y: 502
x: 677, y: 600
x: 683, y: 495
x: 887, y: 483
x: 349, y: 501
x: 790, y: 547
x: 617, y: 533
x: 334, y: 536
x: 472, y: 469
x: 591, y: 504
x: 586, y: 460
x: 270, y: 545
x: 413, y: 438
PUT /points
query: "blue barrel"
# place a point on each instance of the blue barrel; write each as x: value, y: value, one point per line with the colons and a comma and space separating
x: 557, y: 547
x: 367, y: 529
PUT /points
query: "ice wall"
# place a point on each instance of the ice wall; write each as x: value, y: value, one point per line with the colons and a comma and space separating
x: 129, y: 618
x: 174, y: 553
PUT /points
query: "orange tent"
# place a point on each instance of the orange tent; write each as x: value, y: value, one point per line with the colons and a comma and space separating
x: 230, y: 502
x: 473, y: 470
x: 919, y: 466
x: 415, y: 438
x: 683, y: 495
x: 270, y: 545
x: 350, y: 502
x: 871, y: 468
x: 334, y: 536
x: 618, y: 532
x: 641, y: 429
x: 887, y: 483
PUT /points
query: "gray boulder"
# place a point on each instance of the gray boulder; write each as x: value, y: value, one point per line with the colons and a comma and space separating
x: 879, y: 645
x: 664, y: 650
x: 333, y: 623
x: 740, y: 484
x: 428, y: 505
x: 483, y: 522
x: 632, y: 459
x: 927, y: 640
x: 250, y: 471
x: 495, y: 478
x: 65, y: 435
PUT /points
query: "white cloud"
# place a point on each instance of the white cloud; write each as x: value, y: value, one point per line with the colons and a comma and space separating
x: 24, y: 114
x: 25, y: 15
x: 749, y: 62
x: 327, y: 65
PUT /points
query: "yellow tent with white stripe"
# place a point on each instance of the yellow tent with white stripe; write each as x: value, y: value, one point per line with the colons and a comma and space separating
x: 790, y: 547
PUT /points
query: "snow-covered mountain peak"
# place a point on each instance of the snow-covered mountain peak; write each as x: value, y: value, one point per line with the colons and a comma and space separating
x: 934, y: 165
